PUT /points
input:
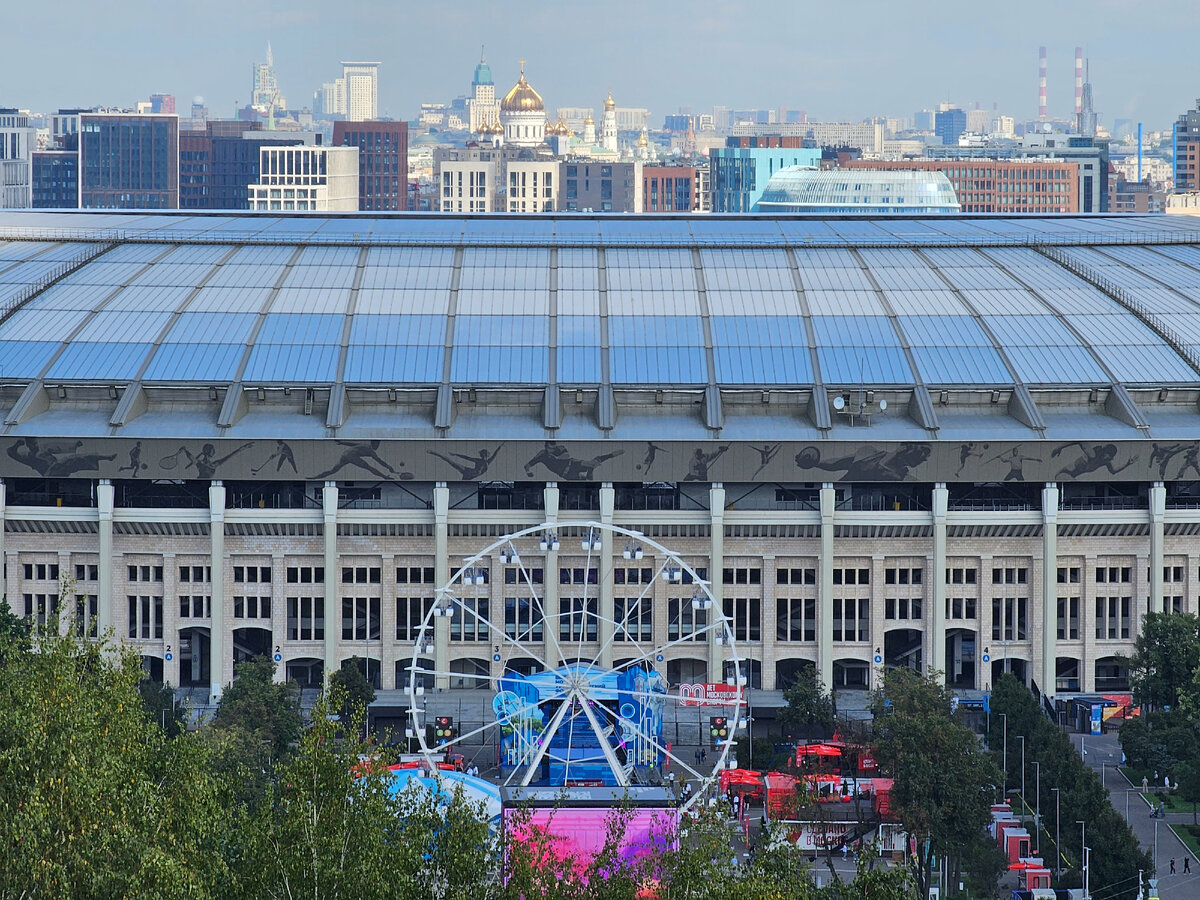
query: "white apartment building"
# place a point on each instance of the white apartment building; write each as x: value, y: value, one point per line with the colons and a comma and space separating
x: 306, y: 179
x: 532, y: 185
x: 467, y: 186
x: 17, y: 141
x: 362, y: 90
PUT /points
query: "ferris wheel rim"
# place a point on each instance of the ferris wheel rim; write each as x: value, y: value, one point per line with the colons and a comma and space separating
x: 451, y: 595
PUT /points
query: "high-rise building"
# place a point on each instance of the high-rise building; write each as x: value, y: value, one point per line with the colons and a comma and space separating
x: 236, y: 162
x: 740, y: 174
x: 949, y: 124
x: 997, y: 186
x: 531, y: 185
x: 128, y: 161
x: 382, y: 162
x: 601, y: 187
x: 55, y: 179
x: 1187, y: 150
x: 162, y: 103
x: 670, y: 189
x: 16, y: 145
x: 330, y: 99
x: 198, y: 171
x: 362, y: 90
x: 264, y: 89
x: 306, y: 179
x: 482, y: 105
x: 467, y: 179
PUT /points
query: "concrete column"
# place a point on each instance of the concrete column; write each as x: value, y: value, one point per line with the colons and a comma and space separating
x: 3, y: 587
x: 216, y: 535
x: 984, y: 611
x: 170, y: 619
x: 605, y: 627
x: 104, y: 586
x: 1087, y: 625
x: 388, y: 649
x: 825, y: 589
x: 1048, y: 679
x: 441, y: 574
x: 716, y: 652
x: 877, y: 623
x: 66, y: 601
x: 550, y: 583
x: 333, y: 605
x: 1158, y: 511
x: 770, y: 619
x: 937, y: 621
x: 279, y: 613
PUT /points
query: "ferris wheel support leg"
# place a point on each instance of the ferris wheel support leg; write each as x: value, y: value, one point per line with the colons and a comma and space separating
x: 441, y: 574
x: 716, y: 505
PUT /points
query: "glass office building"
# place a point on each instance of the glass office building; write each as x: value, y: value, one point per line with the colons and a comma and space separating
x: 128, y: 161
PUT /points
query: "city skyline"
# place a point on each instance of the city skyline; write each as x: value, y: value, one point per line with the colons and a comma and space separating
x: 910, y: 57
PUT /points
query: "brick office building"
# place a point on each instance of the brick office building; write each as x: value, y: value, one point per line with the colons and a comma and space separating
x: 382, y: 162
x: 998, y: 186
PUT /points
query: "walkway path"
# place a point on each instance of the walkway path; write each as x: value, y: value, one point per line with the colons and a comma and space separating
x: 1103, y: 753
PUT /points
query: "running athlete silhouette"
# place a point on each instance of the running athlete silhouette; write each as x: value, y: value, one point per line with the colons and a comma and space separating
x: 473, y: 466
x: 1093, y: 460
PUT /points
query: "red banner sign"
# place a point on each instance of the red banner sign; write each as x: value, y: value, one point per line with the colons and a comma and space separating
x: 709, y: 695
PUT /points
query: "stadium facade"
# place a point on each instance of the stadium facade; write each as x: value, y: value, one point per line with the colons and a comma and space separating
x: 968, y: 444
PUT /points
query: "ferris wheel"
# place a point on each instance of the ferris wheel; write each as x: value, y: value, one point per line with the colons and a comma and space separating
x: 562, y: 713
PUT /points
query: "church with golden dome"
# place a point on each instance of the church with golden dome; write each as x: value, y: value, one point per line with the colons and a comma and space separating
x: 523, y: 115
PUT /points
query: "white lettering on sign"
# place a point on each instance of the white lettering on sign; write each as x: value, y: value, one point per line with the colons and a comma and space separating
x: 709, y: 695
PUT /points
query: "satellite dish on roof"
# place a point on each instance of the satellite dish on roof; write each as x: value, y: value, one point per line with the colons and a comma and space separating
x: 839, y: 403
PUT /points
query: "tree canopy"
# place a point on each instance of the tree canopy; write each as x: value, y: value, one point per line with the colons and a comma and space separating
x: 1165, y: 660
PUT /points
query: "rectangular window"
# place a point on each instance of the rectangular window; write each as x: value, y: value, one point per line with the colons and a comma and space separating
x: 961, y: 576
x: 360, y: 618
x: 684, y: 621
x: 746, y: 615
x: 577, y: 576
x: 796, y: 576
x: 523, y: 620
x: 414, y: 575
x: 86, y: 615
x: 361, y: 575
x: 633, y: 576
x: 251, y: 607
x: 1068, y: 618
x: 850, y: 618
x: 87, y: 573
x: 520, y: 575
x: 632, y: 615
x: 577, y: 619
x: 1112, y: 618
x: 960, y: 607
x: 306, y: 618
x: 410, y: 613
x: 1009, y: 618
x: 39, y: 608
x: 145, y: 617
x: 470, y: 621
x: 796, y: 619
x: 254, y: 574
x: 195, y: 606
x: 741, y: 576
x: 305, y: 574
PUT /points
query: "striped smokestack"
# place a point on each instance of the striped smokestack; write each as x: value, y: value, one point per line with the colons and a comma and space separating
x: 1042, y: 83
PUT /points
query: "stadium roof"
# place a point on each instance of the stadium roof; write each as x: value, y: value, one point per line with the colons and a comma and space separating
x: 707, y: 304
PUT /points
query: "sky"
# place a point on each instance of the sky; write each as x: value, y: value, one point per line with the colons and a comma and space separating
x: 839, y: 61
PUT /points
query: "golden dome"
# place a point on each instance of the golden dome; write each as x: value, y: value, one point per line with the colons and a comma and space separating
x: 643, y: 141
x: 610, y: 103
x: 522, y: 97
x: 497, y: 128
x: 589, y: 121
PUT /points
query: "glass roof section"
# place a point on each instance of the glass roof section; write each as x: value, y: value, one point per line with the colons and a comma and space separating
x: 676, y: 300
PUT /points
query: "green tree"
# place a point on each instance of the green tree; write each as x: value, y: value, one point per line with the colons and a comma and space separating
x: 809, y: 705
x: 1165, y: 659
x: 943, y: 785
x: 159, y: 700
x: 1187, y: 775
x: 260, y: 706
x: 332, y: 827
x: 96, y: 801
x: 353, y: 686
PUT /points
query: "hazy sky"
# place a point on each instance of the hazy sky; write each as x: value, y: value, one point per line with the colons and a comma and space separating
x: 838, y: 60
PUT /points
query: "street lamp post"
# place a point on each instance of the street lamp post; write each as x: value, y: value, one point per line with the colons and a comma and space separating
x: 1004, y: 777
x: 1021, y: 738
x: 1082, y: 837
x: 1037, y: 812
x: 1057, y: 852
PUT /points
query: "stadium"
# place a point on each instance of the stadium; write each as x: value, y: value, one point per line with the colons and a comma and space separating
x: 965, y: 444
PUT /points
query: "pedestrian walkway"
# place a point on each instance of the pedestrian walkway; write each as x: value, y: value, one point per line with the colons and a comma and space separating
x: 1103, y: 753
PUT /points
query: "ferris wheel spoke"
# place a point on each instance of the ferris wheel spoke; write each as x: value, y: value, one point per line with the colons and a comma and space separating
x: 614, y: 764
x: 653, y: 743
x: 637, y: 606
x: 547, y: 736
